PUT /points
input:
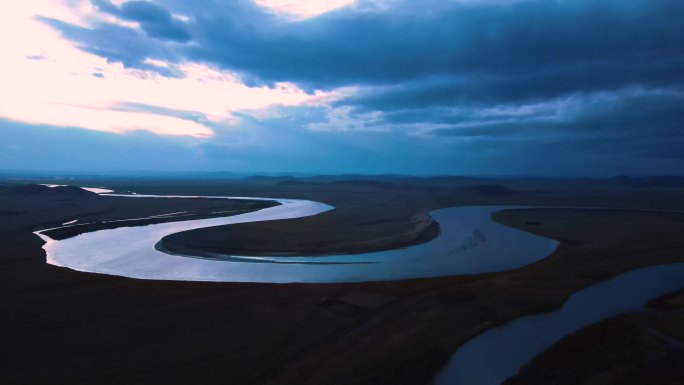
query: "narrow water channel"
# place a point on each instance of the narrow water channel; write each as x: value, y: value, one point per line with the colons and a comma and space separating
x: 497, y: 354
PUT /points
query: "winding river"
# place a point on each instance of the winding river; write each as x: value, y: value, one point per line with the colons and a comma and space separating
x: 497, y: 354
x: 469, y: 243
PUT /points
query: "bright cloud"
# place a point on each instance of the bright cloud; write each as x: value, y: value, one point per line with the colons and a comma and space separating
x: 48, y: 80
x: 302, y: 9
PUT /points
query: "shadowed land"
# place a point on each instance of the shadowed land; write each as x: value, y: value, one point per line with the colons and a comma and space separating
x: 376, y: 215
x: 62, y: 326
x: 634, y: 348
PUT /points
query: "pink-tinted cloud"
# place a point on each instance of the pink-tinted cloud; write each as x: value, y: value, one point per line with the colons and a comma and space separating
x: 69, y: 87
x: 302, y: 9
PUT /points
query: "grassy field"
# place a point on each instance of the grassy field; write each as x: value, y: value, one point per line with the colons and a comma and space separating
x: 61, y: 326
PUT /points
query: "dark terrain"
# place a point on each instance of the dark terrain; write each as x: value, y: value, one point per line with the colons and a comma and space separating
x: 64, y: 327
x: 634, y: 348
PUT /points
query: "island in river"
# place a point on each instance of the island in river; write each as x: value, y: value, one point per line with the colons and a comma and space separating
x: 62, y: 326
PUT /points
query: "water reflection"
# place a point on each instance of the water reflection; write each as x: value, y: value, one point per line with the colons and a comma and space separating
x: 469, y: 243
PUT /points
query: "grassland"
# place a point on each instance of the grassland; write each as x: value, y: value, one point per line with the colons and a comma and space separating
x: 62, y: 326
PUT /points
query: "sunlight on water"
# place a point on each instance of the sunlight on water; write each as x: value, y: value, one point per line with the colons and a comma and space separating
x: 469, y: 243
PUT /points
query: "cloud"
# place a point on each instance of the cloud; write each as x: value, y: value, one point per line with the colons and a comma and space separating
x: 302, y: 9
x: 471, y: 86
x: 406, y: 41
x: 107, y: 40
x: 51, y: 149
x: 423, y: 67
x: 36, y: 57
x: 156, y: 21
x: 634, y: 124
x: 79, y: 77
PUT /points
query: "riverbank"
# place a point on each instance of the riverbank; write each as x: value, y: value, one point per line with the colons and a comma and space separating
x: 427, y: 328
x: 633, y: 348
x: 374, y: 215
x: 471, y: 244
x: 302, y: 237
x: 498, y: 354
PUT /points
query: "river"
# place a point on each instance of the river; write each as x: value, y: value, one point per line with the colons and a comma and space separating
x: 469, y: 243
x: 498, y: 353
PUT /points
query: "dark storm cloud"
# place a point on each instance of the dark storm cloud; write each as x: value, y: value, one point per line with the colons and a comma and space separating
x: 433, y: 62
x: 639, y: 124
x: 523, y: 87
x: 504, y: 86
x: 558, y: 44
x: 154, y: 20
x: 106, y: 40
x: 555, y: 44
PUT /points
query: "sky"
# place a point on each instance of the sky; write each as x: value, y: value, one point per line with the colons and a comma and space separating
x: 467, y: 87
